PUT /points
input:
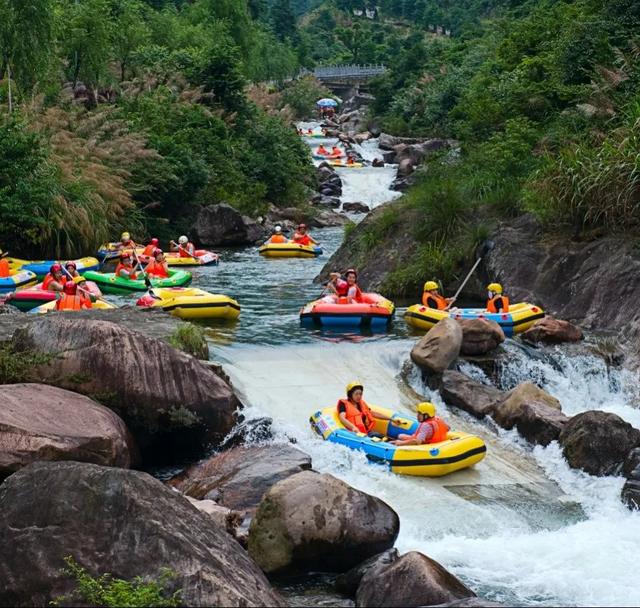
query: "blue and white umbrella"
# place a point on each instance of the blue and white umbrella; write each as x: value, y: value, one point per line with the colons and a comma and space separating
x: 327, y: 103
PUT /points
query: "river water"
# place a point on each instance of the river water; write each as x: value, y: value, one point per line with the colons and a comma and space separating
x: 521, y: 527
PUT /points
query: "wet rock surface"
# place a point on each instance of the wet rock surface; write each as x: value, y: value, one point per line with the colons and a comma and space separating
x: 122, y: 522
x: 552, y: 331
x: 480, y: 336
x: 349, y: 582
x: 221, y: 224
x: 458, y: 390
x: 439, y: 347
x: 412, y: 580
x: 598, y: 442
x: 317, y: 522
x: 39, y: 422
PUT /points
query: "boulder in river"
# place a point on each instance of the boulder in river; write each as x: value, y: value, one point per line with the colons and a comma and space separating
x: 439, y: 347
x: 40, y: 422
x: 238, y: 478
x: 360, y: 138
x: 552, y: 331
x: 355, y: 208
x: 221, y: 224
x: 389, y: 142
x: 406, y: 168
x: 480, y: 336
x: 317, y: 522
x: 349, y: 581
x: 598, y: 442
x: 377, y: 162
x: 533, y: 412
x: 631, y: 470
x: 412, y: 580
x: 323, y: 200
x: 168, y: 399
x: 118, y: 521
x: 458, y: 390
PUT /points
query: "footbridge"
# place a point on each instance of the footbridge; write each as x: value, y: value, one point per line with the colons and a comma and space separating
x: 346, y: 78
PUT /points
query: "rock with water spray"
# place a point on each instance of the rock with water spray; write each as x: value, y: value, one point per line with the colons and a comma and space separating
x: 631, y: 470
x: 439, y: 347
x: 552, y: 331
x: 40, y: 422
x: 480, y: 336
x: 118, y: 521
x: 458, y: 390
x: 311, y: 521
x: 598, y: 442
x: 412, y: 580
x: 170, y: 401
x: 533, y: 412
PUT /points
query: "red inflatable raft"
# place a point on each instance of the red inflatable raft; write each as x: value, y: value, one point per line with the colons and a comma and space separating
x: 373, y: 310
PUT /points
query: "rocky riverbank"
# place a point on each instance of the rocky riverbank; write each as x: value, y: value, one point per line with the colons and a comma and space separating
x: 91, y: 410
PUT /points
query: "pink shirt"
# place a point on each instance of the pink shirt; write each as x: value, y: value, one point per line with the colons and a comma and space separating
x: 424, y: 432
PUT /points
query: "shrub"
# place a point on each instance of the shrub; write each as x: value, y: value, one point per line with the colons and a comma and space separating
x: 190, y: 339
x: 302, y: 94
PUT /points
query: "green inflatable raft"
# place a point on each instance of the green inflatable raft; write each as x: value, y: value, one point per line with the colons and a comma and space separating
x: 110, y: 283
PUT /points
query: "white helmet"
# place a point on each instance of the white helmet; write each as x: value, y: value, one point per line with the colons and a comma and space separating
x: 183, y: 240
x: 278, y: 228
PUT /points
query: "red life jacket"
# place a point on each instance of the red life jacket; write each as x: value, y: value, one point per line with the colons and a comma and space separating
x: 149, y: 249
x: 358, y: 296
x: 50, y: 279
x: 301, y: 239
x: 491, y: 304
x: 441, y: 303
x: 69, y: 302
x: 5, y: 271
x: 187, y: 251
x: 440, y: 429
x: 157, y: 269
x: 361, y: 418
x: 131, y: 273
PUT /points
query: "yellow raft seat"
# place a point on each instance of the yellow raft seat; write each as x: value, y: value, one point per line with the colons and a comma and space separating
x: 192, y: 303
x: 459, y: 451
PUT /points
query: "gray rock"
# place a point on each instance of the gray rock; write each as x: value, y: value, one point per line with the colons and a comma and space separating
x: 631, y: 494
x: 118, y: 521
x: 598, y: 442
x: 480, y: 336
x: 405, y: 168
x: 552, y: 331
x: 317, y: 522
x: 221, y: 224
x: 388, y: 142
x: 459, y: 390
x: 348, y: 582
x: 439, y: 347
x: 631, y: 466
x: 355, y: 208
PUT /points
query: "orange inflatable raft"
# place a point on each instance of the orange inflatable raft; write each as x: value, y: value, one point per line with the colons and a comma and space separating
x: 373, y: 311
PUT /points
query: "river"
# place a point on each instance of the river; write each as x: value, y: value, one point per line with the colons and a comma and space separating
x: 521, y: 527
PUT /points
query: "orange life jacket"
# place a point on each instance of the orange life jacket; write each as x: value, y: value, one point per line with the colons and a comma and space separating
x: 69, y: 302
x: 278, y: 238
x: 49, y: 279
x: 130, y: 271
x: 322, y: 150
x: 158, y: 269
x: 5, y: 271
x: 187, y: 251
x: 361, y: 418
x: 441, y: 302
x: 302, y: 239
x: 149, y: 249
x: 351, y: 161
x: 440, y: 430
x: 491, y: 304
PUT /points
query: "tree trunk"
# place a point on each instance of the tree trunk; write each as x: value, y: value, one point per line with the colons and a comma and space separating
x: 9, y: 86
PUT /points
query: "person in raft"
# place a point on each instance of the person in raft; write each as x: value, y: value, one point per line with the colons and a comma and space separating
x: 302, y: 237
x: 431, y: 297
x: 151, y: 247
x: 497, y: 302
x: 354, y: 413
x: 322, y: 151
x: 55, y: 279
x: 336, y: 151
x: 158, y: 265
x: 73, y: 298
x: 351, y: 158
x: 72, y: 270
x: 184, y: 247
x: 126, y: 242
x: 5, y: 270
x: 432, y: 429
x: 125, y: 269
x: 277, y: 236
x: 346, y: 289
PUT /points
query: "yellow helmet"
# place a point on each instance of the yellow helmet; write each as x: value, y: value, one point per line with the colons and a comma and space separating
x: 429, y: 285
x: 353, y: 385
x: 495, y: 287
x: 426, y: 408
x: 125, y: 235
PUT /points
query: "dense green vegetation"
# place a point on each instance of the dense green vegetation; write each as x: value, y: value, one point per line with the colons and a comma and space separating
x: 543, y: 97
x: 125, y: 114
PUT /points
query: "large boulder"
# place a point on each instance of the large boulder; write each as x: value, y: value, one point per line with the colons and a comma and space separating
x: 356, y: 207
x: 552, y: 331
x: 221, y: 224
x: 118, y: 521
x: 631, y: 489
x: 40, y: 422
x: 312, y: 521
x: 459, y: 390
x: 406, y: 167
x: 480, y: 336
x: 439, y: 347
x: 598, y: 442
x: 348, y: 582
x: 168, y: 399
x: 238, y: 478
x: 532, y: 411
x: 389, y: 142
x: 360, y: 138
x: 412, y: 580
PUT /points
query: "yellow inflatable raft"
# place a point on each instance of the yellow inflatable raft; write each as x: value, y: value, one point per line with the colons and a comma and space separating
x: 51, y: 307
x: 192, y: 303
x: 289, y: 250
x: 520, y: 317
x: 17, y: 279
x: 459, y: 451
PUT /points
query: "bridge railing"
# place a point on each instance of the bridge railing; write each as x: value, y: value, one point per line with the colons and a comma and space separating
x: 346, y: 71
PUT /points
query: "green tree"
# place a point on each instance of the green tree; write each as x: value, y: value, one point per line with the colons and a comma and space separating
x: 283, y: 20
x: 26, y: 35
x: 130, y: 32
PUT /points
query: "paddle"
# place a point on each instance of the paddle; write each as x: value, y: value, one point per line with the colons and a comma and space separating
x: 191, y: 255
x: 486, y: 248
